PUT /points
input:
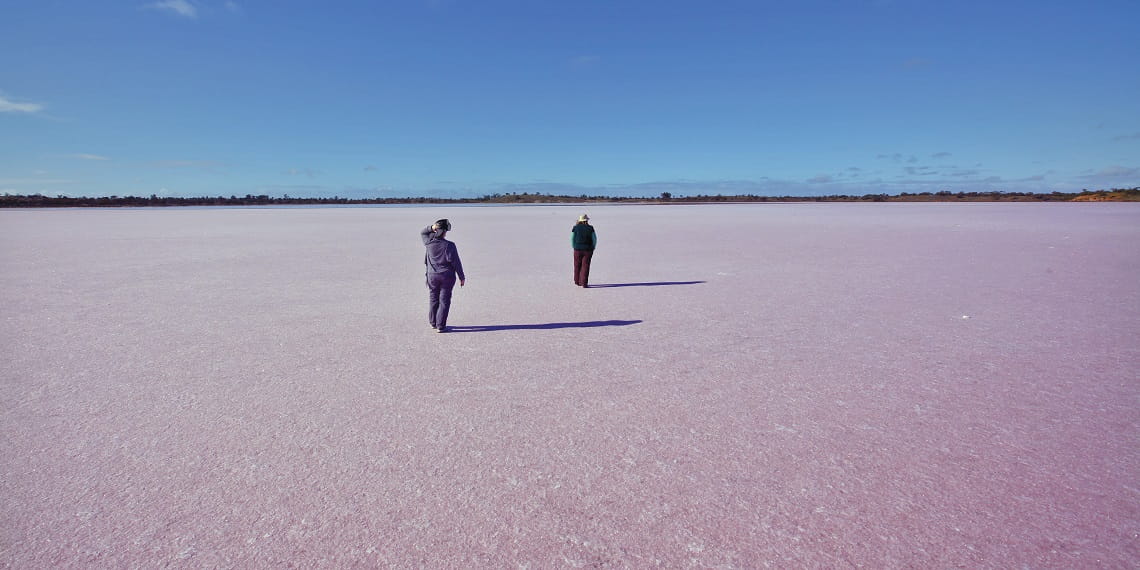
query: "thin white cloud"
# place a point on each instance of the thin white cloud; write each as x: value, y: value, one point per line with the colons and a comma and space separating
x: 31, y: 181
x: 1114, y: 172
x: 7, y: 106
x: 920, y: 170
x: 898, y: 157
x: 956, y: 172
x: 1131, y: 137
x: 85, y: 156
x: 207, y: 165
x: 180, y: 7
x: 306, y: 172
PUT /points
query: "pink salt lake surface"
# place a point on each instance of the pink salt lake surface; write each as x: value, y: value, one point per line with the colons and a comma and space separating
x: 746, y: 386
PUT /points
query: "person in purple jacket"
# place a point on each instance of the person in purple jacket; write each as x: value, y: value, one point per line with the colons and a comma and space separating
x: 442, y: 266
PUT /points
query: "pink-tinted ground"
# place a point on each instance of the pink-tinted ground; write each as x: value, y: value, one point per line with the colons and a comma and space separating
x: 829, y: 386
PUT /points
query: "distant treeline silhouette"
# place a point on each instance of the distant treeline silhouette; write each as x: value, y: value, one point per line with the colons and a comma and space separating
x: 40, y: 201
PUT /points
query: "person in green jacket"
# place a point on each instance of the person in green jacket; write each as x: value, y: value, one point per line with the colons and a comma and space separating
x: 584, y: 240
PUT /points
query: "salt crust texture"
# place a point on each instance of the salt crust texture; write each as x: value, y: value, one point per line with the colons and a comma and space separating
x: 746, y: 386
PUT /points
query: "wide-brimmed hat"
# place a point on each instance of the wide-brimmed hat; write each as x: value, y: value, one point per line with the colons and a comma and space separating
x: 583, y: 218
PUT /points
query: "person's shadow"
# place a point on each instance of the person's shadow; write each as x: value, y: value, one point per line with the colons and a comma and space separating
x: 648, y: 284
x: 540, y: 327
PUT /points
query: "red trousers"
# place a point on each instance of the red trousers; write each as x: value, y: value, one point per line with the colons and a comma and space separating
x: 582, y: 267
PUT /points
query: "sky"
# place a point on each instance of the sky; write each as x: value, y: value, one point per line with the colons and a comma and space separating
x: 465, y: 98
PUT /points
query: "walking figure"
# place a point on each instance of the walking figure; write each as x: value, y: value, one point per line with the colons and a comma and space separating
x: 442, y: 266
x: 583, y: 239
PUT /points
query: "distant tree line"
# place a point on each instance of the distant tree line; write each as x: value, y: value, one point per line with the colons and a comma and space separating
x: 40, y: 201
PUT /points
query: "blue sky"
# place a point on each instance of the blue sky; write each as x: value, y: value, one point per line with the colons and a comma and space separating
x: 465, y: 98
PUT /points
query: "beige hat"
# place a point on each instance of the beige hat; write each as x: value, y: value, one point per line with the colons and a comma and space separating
x: 583, y: 218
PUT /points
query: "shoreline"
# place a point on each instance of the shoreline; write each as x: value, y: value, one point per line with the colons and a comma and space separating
x: 39, y: 201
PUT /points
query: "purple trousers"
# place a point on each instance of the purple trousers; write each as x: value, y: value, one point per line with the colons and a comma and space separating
x: 439, y: 298
x: 582, y: 267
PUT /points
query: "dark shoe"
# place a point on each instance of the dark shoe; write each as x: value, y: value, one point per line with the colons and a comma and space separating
x: 441, y: 329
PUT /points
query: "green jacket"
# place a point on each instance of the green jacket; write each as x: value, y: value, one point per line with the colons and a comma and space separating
x: 583, y: 237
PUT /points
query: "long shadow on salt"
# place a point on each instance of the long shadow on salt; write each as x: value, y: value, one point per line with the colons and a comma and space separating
x: 540, y: 327
x: 650, y: 284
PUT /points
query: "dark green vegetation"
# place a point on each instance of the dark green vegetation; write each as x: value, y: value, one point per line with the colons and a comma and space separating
x: 39, y: 201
